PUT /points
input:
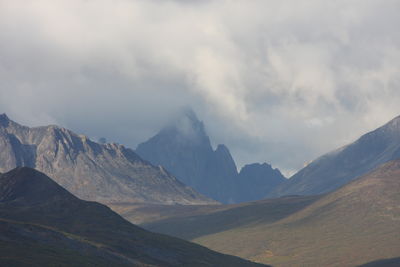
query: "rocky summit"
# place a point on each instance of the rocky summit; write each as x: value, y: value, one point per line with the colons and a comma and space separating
x: 100, y: 172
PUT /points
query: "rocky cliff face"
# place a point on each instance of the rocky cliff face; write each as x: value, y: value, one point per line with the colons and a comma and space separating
x: 337, y: 168
x: 184, y: 149
x: 105, y: 173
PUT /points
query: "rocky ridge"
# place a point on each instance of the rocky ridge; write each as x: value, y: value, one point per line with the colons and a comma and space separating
x: 99, y: 172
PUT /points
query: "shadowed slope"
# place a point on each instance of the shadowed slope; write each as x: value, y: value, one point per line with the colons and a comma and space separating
x: 41, y: 224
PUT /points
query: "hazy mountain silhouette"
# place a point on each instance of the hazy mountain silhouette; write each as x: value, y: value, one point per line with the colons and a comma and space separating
x: 256, y: 180
x: 184, y: 149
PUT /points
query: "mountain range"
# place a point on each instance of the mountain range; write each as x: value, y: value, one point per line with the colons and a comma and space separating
x: 42, y: 224
x: 343, y: 209
x: 184, y: 149
x: 99, y: 172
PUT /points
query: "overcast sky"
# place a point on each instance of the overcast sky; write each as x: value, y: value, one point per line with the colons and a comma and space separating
x: 277, y: 81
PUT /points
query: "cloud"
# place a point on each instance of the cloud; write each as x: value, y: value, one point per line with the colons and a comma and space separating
x: 277, y: 81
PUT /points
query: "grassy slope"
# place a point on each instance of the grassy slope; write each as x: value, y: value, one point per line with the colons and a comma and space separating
x: 356, y: 224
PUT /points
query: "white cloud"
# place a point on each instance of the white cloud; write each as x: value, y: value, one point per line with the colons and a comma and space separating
x: 281, y: 81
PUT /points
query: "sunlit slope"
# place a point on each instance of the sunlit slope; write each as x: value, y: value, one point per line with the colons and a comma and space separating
x: 356, y: 224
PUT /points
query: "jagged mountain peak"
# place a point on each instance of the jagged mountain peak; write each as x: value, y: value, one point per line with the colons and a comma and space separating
x: 187, y: 126
x: 185, y: 150
x: 185, y: 131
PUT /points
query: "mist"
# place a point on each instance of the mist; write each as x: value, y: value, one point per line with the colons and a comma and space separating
x: 276, y: 81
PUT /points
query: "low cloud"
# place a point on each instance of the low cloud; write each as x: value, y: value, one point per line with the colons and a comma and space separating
x: 277, y: 81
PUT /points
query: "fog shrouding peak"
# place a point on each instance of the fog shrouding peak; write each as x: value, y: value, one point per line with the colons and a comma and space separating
x: 268, y: 78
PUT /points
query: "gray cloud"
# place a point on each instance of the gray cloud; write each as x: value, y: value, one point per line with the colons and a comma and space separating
x: 277, y: 81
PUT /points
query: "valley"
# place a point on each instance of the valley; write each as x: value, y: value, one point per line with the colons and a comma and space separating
x: 328, y: 230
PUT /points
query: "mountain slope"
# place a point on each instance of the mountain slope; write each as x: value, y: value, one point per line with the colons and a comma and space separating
x: 41, y: 224
x: 184, y: 149
x: 337, y: 168
x: 356, y: 224
x: 105, y: 173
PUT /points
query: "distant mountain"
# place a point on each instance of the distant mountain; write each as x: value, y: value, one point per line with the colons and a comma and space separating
x: 354, y: 225
x: 184, y: 149
x: 337, y: 168
x: 99, y: 172
x: 256, y: 180
x: 42, y: 224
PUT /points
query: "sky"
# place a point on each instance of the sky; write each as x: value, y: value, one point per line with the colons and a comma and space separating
x: 281, y: 82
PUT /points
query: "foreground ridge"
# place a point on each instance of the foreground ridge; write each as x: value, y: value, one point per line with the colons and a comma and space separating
x: 42, y: 224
